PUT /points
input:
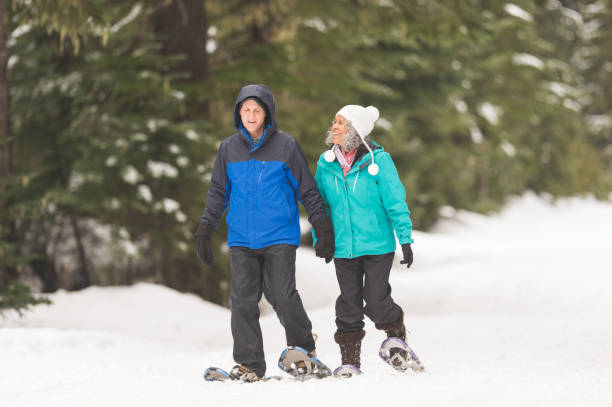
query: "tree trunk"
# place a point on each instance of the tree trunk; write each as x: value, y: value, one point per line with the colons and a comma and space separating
x: 5, y: 144
x: 183, y: 26
x: 7, y: 225
x: 44, y: 268
x: 84, y: 279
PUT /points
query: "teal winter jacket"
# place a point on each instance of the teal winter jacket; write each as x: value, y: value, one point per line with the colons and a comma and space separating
x: 365, y: 209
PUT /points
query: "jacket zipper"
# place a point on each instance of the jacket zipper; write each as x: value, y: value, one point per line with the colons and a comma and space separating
x: 261, y: 171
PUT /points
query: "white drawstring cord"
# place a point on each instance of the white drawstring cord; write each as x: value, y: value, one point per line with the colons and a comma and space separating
x: 355, y: 183
x: 336, y: 179
x: 372, y: 168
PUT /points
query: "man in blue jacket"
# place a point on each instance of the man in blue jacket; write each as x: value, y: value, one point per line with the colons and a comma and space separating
x: 261, y: 174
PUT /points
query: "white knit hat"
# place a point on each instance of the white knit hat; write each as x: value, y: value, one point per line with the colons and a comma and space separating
x: 362, y: 118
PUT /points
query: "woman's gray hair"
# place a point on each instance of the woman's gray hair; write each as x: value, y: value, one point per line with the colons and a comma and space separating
x: 351, y: 138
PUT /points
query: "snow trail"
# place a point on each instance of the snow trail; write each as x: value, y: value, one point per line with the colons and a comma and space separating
x: 507, y: 310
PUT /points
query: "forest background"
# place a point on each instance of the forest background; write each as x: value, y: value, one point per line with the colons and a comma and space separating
x: 111, y: 112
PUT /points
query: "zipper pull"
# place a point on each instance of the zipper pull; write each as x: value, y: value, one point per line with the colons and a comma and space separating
x: 261, y: 171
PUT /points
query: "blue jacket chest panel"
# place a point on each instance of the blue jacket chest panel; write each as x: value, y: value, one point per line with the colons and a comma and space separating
x: 263, y: 204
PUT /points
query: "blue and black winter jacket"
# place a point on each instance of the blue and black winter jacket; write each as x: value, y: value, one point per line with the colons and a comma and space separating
x: 261, y: 183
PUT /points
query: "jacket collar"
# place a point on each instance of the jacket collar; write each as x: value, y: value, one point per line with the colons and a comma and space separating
x: 361, y: 161
x: 246, y: 138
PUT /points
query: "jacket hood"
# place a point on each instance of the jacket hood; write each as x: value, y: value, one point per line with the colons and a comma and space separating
x: 261, y: 92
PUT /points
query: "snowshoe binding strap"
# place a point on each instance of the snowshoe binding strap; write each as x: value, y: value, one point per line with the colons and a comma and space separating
x: 301, y: 364
x: 243, y: 373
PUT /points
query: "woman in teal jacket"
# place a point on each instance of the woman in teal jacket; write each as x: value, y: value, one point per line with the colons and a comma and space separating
x: 366, y: 200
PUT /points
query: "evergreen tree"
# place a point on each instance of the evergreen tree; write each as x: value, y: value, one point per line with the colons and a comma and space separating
x: 17, y: 297
x: 124, y: 156
x: 13, y: 294
x: 469, y: 94
x: 593, y: 57
x: 7, y: 225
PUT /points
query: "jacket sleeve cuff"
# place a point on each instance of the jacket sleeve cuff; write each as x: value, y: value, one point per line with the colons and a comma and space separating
x: 405, y: 240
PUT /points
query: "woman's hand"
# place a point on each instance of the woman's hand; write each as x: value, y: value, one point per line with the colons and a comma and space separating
x: 407, y: 250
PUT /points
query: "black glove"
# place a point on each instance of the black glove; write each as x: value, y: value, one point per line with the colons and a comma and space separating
x: 407, y: 250
x: 202, y: 242
x: 325, y: 247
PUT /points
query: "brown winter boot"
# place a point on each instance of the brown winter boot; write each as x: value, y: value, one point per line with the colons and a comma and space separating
x: 394, y: 329
x: 350, y: 347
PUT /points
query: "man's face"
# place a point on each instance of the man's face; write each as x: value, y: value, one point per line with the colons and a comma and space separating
x: 338, y: 129
x: 252, y: 116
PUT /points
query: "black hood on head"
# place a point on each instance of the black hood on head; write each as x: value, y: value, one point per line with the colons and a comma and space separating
x: 264, y: 95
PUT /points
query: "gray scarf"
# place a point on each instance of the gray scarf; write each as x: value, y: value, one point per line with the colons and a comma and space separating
x: 340, y: 156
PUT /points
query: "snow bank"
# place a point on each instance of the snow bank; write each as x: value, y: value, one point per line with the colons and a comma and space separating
x: 145, y: 311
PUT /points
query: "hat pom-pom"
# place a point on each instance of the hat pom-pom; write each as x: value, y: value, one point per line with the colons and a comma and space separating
x: 373, y: 112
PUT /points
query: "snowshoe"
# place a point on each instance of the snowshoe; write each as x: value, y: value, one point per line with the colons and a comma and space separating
x: 238, y: 373
x: 346, y: 371
x: 215, y: 374
x: 301, y: 364
x: 399, y: 355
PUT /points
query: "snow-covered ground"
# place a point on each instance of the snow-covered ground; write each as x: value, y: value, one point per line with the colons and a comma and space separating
x: 509, y: 310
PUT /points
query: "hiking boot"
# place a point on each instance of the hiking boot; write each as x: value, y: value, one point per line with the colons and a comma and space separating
x: 243, y: 373
x: 394, y: 329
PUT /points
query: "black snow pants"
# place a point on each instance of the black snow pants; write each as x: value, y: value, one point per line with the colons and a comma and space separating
x: 365, y: 278
x: 271, y: 271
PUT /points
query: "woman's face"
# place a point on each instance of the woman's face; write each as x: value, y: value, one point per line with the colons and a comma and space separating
x: 338, y: 129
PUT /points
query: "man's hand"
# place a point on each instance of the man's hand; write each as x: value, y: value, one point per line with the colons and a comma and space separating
x: 202, y: 242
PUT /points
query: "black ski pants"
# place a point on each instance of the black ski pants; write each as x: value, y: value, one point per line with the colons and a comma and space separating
x: 271, y: 271
x: 364, y: 278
